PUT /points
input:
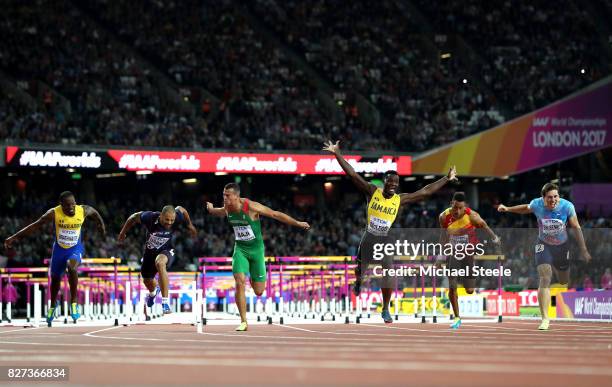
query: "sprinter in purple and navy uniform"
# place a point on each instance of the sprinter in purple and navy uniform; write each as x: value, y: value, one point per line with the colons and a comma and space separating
x: 158, y: 252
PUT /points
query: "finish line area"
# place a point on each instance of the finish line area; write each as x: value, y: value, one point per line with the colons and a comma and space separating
x: 315, y: 352
x: 318, y: 334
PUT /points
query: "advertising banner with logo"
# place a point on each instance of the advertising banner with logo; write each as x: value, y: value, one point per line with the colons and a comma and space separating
x: 587, y: 304
x: 55, y: 158
x: 510, y: 304
x: 576, y: 125
x: 203, y: 162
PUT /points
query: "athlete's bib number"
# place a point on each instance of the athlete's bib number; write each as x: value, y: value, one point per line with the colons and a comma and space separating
x: 552, y: 226
x: 68, y: 238
x: 155, y: 242
x: 459, y: 239
x: 244, y: 233
x: 379, y: 226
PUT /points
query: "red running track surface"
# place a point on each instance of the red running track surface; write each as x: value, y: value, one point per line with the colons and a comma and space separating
x: 480, y: 354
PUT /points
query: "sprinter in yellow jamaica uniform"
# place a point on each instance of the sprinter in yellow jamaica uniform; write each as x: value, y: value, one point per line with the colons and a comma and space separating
x: 383, y: 207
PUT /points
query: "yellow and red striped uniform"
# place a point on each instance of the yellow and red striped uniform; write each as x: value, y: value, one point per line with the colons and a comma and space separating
x: 460, y: 230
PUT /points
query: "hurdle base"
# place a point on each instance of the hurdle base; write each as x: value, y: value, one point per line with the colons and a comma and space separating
x: 499, y: 319
x: 435, y: 319
x: 358, y: 320
x: 423, y: 321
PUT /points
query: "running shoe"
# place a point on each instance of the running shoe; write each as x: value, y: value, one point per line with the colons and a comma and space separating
x: 243, y: 327
x: 51, y: 313
x: 544, y: 325
x: 456, y: 323
x: 386, y: 316
x: 166, y: 308
x: 151, y: 298
x: 75, y: 313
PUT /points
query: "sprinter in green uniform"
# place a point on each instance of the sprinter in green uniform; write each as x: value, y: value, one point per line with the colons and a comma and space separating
x: 243, y: 215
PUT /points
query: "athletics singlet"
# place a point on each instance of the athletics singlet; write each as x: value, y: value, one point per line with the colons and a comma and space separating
x: 68, y: 228
x: 67, y: 245
x: 248, y: 256
x: 382, y: 213
x: 246, y: 230
x: 460, y: 231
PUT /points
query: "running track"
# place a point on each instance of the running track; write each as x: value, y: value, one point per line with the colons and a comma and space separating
x: 508, y: 354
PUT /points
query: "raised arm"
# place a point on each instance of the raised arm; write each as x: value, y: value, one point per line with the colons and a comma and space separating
x: 359, y: 181
x: 429, y: 189
x: 280, y: 216
x: 577, y: 231
x: 192, y: 230
x: 129, y: 223
x: 93, y: 213
x: 29, y: 229
x: 480, y: 223
x: 520, y: 209
x: 218, y: 212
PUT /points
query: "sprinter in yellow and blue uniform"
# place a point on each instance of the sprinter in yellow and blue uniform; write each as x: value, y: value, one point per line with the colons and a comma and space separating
x: 68, y: 219
x: 383, y: 207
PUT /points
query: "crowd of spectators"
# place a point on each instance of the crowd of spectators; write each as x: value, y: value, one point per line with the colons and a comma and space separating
x: 371, y: 47
x: 534, y: 52
x: 267, y: 101
x: 90, y: 54
x: 113, y: 100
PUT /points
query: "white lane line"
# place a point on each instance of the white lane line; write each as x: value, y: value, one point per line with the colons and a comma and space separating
x: 91, y: 334
x: 19, y: 330
x: 547, y: 335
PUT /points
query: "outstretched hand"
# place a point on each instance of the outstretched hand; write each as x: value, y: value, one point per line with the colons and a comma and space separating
x: 331, y: 147
x: 304, y: 226
x: 8, y: 243
x: 502, y: 208
x: 452, y: 174
x: 586, y: 256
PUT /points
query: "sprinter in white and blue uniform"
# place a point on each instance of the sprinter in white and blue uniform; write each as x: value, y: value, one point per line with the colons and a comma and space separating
x: 552, y: 247
x: 68, y: 218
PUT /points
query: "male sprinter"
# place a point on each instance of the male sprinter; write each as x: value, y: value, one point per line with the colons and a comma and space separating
x: 248, y: 257
x: 383, y: 206
x: 158, y: 253
x: 552, y: 247
x: 68, y: 218
x: 459, y: 224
